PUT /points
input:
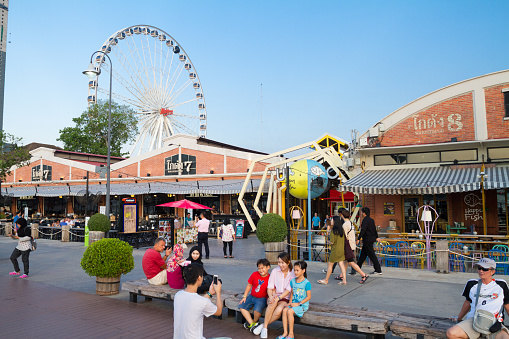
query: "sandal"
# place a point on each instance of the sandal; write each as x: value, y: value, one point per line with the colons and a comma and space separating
x: 342, y: 283
x: 231, y: 256
x: 226, y: 256
x: 339, y: 277
x: 322, y: 282
x: 364, y: 278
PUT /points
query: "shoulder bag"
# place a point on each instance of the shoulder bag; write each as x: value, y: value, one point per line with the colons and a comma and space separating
x: 485, y: 322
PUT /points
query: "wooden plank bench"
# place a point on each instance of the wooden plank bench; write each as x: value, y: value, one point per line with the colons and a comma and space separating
x: 373, y: 323
x: 143, y: 288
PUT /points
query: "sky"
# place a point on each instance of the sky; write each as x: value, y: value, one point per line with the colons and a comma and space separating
x: 326, y: 66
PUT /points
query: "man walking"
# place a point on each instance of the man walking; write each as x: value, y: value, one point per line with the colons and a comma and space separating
x: 369, y: 236
x: 203, y: 234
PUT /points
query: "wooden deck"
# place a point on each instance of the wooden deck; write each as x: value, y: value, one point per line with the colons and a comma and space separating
x: 35, y: 310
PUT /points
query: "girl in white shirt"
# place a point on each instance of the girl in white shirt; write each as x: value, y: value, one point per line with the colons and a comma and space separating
x: 228, y: 236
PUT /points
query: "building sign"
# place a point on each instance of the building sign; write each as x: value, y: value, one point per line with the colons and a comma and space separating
x: 389, y: 208
x: 432, y: 124
x: 201, y: 195
x: 473, y: 211
x: 41, y: 173
x: 186, y: 166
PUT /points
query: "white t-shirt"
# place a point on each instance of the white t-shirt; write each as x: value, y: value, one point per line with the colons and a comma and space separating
x: 349, y: 230
x: 491, y: 298
x: 188, y: 312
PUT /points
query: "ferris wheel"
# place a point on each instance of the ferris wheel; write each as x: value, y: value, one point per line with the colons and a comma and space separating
x: 153, y: 75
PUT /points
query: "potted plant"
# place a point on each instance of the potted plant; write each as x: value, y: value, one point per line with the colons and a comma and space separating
x: 98, y: 225
x: 107, y: 260
x: 271, y: 231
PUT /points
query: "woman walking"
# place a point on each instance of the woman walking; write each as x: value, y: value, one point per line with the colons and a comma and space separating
x: 23, y: 249
x: 337, y: 253
x: 350, y: 247
x: 227, y: 236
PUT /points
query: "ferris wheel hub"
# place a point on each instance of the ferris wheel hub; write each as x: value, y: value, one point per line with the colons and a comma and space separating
x: 166, y: 111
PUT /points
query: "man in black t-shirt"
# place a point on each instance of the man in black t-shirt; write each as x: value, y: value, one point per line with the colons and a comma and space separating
x: 493, y: 295
x: 369, y: 236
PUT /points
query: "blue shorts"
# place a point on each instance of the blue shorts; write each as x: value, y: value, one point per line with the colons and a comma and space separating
x: 299, y: 310
x: 258, y: 304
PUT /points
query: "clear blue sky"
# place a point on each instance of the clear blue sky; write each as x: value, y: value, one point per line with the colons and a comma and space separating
x: 326, y: 66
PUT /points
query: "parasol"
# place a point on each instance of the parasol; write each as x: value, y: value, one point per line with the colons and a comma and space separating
x: 185, y: 204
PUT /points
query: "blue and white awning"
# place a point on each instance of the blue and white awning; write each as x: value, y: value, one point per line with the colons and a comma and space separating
x: 52, y: 191
x: 428, y: 180
x: 27, y: 191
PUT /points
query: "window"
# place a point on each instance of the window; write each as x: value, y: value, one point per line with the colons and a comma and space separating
x: 506, y: 103
x: 498, y: 153
x: 422, y: 158
x: 461, y: 155
x: 390, y: 159
x: 502, y: 203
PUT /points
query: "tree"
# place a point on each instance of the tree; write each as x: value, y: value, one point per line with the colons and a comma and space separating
x: 12, y: 153
x: 90, y: 134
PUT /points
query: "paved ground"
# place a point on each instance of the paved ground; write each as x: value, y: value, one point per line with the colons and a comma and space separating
x: 57, y: 264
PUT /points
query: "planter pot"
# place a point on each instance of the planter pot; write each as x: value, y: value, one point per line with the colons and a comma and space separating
x: 272, y: 250
x: 94, y: 236
x: 107, y: 286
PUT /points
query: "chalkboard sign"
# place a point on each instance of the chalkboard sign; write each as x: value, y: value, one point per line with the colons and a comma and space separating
x: 239, y: 224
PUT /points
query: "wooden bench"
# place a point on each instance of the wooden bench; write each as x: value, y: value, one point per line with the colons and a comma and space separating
x: 143, y: 288
x: 373, y: 323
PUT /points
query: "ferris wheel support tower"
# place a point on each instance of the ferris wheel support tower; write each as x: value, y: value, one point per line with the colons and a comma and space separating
x: 4, y: 8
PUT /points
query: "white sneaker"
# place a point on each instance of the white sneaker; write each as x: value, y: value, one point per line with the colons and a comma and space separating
x: 264, y: 333
x: 324, y: 271
x: 258, y: 329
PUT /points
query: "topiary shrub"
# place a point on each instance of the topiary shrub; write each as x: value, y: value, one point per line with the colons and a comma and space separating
x: 99, y: 222
x: 271, y: 228
x: 108, y: 258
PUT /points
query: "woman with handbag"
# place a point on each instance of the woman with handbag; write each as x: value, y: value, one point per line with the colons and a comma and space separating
x: 337, y: 251
x: 23, y: 249
x: 484, y: 306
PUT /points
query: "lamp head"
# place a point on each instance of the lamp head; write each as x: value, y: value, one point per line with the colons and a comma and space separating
x: 91, y: 71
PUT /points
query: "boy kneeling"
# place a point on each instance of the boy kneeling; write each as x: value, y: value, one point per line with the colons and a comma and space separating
x: 257, y: 283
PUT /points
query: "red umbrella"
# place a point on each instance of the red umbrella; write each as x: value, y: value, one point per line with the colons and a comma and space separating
x: 185, y: 204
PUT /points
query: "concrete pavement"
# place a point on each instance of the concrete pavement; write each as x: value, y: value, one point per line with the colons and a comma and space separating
x: 399, y: 290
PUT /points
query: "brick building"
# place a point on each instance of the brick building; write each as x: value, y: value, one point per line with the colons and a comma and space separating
x: 432, y: 151
x: 198, y: 169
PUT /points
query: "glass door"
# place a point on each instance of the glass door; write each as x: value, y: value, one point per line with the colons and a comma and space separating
x: 410, y: 207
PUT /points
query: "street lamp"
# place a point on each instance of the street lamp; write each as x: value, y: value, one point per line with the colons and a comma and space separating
x: 93, y: 72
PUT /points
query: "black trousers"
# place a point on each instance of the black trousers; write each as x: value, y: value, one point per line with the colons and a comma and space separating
x: 24, y: 258
x: 203, y: 238
x: 230, y: 245
x: 368, y: 251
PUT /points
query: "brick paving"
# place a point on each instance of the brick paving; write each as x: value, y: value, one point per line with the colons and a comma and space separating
x: 35, y: 310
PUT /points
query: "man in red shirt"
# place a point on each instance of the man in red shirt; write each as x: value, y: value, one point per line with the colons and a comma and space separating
x: 153, y: 265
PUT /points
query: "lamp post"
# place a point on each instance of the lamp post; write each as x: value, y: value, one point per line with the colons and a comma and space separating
x: 92, y: 72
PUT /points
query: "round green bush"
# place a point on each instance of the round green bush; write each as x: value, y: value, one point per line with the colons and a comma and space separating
x: 271, y: 228
x: 108, y: 258
x: 99, y: 222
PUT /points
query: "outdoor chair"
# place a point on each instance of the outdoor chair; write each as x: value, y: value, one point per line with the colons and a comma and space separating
x: 503, y: 248
x: 391, y: 256
x: 420, y: 247
x: 456, y: 262
x: 501, y: 259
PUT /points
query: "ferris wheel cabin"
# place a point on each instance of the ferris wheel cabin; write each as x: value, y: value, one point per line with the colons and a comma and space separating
x: 145, y: 30
x: 169, y: 43
x: 201, y: 106
x: 92, y: 84
x: 187, y: 66
x: 199, y: 95
x: 129, y: 32
x: 162, y: 37
x: 113, y: 41
x: 203, y: 116
x: 106, y: 49
x: 196, y: 85
x: 137, y: 30
x: 121, y: 35
x: 91, y: 99
x: 192, y: 76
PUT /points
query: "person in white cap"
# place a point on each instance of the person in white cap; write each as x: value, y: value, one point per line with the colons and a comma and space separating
x: 493, y: 297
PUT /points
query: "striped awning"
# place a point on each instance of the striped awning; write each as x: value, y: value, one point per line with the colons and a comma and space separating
x: 428, y: 180
x: 52, y: 191
x: 230, y: 186
x: 27, y: 191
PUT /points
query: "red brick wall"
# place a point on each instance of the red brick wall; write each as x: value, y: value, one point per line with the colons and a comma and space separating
x: 375, y: 203
x: 436, y: 124
x: 498, y: 128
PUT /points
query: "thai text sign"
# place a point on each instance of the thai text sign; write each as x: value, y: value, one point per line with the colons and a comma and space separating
x: 185, y: 166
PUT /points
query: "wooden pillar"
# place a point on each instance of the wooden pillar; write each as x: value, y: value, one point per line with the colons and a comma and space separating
x: 35, y: 230
x: 442, y: 256
x: 65, y: 233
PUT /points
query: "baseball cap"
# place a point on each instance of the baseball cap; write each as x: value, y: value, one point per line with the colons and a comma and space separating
x: 487, y: 263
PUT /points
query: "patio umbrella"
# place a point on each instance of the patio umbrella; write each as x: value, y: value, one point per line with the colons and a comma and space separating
x: 185, y: 204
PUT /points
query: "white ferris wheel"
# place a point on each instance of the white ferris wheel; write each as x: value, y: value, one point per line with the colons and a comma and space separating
x: 153, y: 75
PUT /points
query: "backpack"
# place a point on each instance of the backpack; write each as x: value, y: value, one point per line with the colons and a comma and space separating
x: 33, y: 243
